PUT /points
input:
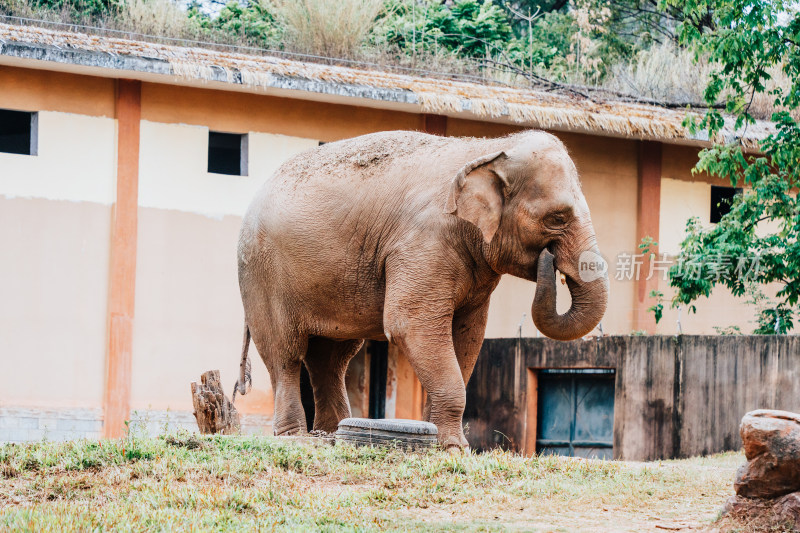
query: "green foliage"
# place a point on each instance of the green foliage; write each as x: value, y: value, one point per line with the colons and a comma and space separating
x: 468, y: 28
x: 549, y: 47
x: 575, y: 41
x: 254, y: 23
x: 477, y: 29
x: 729, y: 330
x: 79, y: 9
x: 530, y: 7
x: 758, y: 241
x: 658, y: 308
x: 770, y: 318
x: 646, y: 244
x: 776, y: 320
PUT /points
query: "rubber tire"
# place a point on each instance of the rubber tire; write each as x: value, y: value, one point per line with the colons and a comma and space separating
x: 404, y: 434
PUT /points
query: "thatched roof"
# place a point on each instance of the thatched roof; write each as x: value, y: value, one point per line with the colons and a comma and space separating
x: 178, y: 64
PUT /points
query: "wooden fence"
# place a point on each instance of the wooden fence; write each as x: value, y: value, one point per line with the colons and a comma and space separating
x: 673, y: 396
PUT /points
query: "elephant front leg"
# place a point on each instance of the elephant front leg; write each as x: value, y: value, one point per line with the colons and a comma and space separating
x: 426, y: 341
x: 469, y: 328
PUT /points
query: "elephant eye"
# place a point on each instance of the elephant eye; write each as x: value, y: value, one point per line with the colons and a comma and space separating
x: 558, y: 219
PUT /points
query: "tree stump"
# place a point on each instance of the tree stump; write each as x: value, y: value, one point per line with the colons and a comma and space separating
x: 214, y: 412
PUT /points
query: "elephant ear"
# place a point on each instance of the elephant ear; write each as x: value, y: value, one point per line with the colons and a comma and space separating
x: 477, y: 193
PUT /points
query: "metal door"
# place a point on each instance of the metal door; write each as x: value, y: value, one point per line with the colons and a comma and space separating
x: 576, y: 413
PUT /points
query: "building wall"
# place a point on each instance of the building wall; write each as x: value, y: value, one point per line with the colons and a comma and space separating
x: 685, y: 195
x: 55, y: 213
x: 240, y: 112
x: 189, y: 316
x: 56, y: 210
x: 54, y: 232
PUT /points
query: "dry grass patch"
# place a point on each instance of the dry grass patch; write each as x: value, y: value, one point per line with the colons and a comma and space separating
x: 153, y: 17
x: 663, y: 73
x: 243, y: 483
x: 325, y: 28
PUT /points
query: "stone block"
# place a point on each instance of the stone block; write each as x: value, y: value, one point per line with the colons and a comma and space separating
x: 772, y: 447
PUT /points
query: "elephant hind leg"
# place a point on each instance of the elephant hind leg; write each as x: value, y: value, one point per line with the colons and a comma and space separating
x: 282, y: 349
x: 326, y: 361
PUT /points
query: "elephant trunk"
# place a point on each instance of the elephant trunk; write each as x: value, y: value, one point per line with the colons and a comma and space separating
x: 589, y: 299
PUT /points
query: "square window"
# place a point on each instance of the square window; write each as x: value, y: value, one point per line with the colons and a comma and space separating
x: 18, y: 132
x: 721, y: 200
x: 227, y: 153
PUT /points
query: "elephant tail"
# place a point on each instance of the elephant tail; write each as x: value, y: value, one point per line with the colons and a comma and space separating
x: 245, y: 381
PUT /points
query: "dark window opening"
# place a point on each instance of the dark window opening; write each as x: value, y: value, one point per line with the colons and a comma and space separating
x: 227, y: 153
x: 378, y: 373
x: 575, y: 413
x: 721, y: 201
x: 18, y: 133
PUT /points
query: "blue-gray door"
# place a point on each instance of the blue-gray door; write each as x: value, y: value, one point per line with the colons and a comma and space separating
x: 576, y: 413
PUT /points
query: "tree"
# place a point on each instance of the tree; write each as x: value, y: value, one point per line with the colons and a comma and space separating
x: 758, y: 241
x: 467, y: 27
x: 253, y: 22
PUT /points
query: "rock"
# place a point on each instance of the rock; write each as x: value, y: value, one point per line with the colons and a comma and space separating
x: 772, y: 447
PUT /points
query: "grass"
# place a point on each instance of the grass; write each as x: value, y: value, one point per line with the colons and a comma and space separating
x: 184, y: 482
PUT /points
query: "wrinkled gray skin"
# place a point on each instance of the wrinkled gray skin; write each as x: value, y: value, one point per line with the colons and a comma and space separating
x: 403, y: 236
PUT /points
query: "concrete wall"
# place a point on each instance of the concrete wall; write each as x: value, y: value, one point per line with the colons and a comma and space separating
x: 674, y: 396
x: 55, y: 211
x: 189, y: 314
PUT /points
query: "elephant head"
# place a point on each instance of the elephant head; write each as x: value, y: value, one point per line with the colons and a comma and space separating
x: 526, y: 200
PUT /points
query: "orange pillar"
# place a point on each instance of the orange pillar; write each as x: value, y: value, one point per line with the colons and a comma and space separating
x: 436, y: 125
x: 409, y: 399
x: 531, y: 412
x: 648, y: 212
x: 122, y: 275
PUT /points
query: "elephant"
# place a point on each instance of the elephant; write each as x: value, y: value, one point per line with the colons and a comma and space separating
x: 403, y: 236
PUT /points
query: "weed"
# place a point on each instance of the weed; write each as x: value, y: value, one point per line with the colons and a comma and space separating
x: 184, y: 439
x: 31, y: 463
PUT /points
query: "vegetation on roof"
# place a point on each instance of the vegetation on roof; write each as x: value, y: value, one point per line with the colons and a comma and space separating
x: 628, y: 47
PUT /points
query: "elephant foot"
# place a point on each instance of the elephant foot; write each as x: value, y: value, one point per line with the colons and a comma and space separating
x: 453, y: 442
x: 458, y: 450
x: 289, y: 431
x: 328, y: 424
